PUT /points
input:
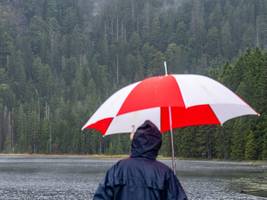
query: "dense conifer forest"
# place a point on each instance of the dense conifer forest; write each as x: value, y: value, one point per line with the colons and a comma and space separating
x: 60, y: 59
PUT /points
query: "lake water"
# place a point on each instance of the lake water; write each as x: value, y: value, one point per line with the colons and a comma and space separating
x: 74, y: 177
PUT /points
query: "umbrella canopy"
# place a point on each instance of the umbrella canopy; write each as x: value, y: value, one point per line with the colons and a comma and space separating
x: 170, y: 101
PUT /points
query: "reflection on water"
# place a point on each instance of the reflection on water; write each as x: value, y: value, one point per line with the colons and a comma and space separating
x: 49, y: 177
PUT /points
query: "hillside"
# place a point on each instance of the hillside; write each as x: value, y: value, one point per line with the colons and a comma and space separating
x: 59, y: 60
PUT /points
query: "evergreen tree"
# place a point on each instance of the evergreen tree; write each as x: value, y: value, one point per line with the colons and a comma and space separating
x: 250, y: 148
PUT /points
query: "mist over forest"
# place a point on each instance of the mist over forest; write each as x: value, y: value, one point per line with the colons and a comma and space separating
x: 59, y: 60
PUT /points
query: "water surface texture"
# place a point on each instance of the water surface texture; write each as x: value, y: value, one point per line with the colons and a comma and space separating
x: 70, y: 177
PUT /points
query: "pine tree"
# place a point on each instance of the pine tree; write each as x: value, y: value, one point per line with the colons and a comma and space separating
x: 264, y: 146
x: 250, y: 147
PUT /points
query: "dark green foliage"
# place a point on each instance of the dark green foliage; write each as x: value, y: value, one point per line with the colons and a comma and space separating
x: 250, y: 148
x: 247, y: 77
x: 59, y: 60
x: 264, y: 146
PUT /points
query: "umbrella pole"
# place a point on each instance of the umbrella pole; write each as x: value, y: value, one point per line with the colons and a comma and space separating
x: 170, y: 120
x: 172, y: 144
x: 173, y: 157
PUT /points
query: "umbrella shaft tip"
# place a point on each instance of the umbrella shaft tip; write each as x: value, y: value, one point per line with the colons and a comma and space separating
x: 166, y: 69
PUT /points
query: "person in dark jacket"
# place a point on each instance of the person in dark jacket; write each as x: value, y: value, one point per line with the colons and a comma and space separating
x: 141, y: 176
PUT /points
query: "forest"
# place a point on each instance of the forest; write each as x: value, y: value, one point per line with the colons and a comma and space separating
x: 60, y: 59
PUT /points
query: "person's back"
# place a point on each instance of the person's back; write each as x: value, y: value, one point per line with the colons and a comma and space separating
x: 141, y: 176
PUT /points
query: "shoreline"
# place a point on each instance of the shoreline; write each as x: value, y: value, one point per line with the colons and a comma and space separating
x: 104, y: 156
x: 122, y: 156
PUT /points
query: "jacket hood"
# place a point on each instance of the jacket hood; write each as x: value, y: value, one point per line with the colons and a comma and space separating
x: 146, y: 141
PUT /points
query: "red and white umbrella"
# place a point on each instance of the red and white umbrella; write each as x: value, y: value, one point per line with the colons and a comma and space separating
x: 170, y: 101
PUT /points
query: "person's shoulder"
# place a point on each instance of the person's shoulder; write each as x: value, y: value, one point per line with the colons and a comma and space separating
x: 143, y: 163
x: 115, y: 168
x: 124, y: 160
x: 163, y: 166
x: 161, y: 163
x: 118, y: 169
x: 121, y: 163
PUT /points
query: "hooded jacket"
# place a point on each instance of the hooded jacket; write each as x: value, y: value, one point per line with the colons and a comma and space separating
x: 141, y: 176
